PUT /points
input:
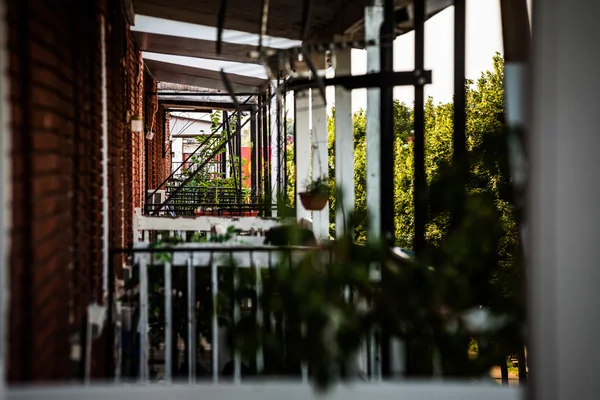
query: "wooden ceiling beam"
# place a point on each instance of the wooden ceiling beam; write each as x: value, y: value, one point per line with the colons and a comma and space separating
x: 198, y: 48
x: 349, y: 13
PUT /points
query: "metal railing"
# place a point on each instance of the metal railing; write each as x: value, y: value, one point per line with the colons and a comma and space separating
x: 211, y: 201
x: 214, y: 168
x: 176, y: 293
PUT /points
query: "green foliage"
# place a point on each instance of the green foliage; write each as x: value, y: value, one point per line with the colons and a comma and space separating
x: 422, y: 300
x: 319, y: 185
x: 477, y: 262
x: 210, y: 148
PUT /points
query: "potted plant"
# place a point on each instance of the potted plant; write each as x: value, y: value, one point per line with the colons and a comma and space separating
x: 316, y: 195
x: 248, y: 200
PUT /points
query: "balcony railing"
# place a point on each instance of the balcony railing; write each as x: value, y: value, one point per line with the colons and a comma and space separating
x: 149, y: 228
x: 181, y: 287
x: 188, y: 282
x: 212, y: 201
x: 274, y: 391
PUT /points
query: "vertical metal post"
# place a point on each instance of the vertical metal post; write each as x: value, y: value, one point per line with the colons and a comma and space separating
x: 191, y: 306
x: 231, y: 141
x: 259, y: 149
x: 278, y: 122
x: 274, y: 130
x: 417, y: 356
x: 386, y: 185
x: 168, y: 323
x: 283, y: 150
x: 295, y: 160
x: 238, y: 138
x: 260, y: 361
x: 224, y: 172
x: 516, y: 34
x: 144, y: 340
x: 214, y: 285
x: 110, y: 318
x: 267, y: 153
x: 420, y: 194
x: 304, y: 364
x: 237, y: 368
x: 459, y: 136
x: 386, y: 93
x: 253, y: 155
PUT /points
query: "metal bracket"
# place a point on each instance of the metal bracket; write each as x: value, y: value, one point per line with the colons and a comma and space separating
x: 372, y: 80
x: 220, y: 25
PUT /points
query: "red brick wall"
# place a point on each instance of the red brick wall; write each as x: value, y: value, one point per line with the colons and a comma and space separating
x: 159, y: 156
x: 57, y: 225
x: 135, y: 87
x: 119, y: 161
x: 167, y: 162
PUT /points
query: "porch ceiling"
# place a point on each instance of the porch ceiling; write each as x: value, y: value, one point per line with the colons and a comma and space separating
x: 327, y: 18
x: 285, y: 16
x: 189, y: 47
x: 224, y: 102
x: 197, y: 105
x: 203, y: 78
x: 186, y: 28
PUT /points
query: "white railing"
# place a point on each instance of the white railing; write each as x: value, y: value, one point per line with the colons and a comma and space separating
x: 192, y: 256
x: 276, y: 391
x: 143, y: 224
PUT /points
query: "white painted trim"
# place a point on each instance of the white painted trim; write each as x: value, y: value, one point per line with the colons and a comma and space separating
x: 5, y: 196
x: 244, y: 69
x: 373, y: 21
x: 273, y: 391
x: 105, y: 219
x: 302, y: 143
x: 168, y: 27
x: 320, y: 159
x: 562, y: 208
x: 344, y: 144
x: 203, y: 255
x: 199, y: 224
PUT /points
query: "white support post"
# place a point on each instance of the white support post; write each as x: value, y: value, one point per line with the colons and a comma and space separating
x: 563, y: 201
x: 373, y: 21
x: 319, y: 159
x: 344, y: 144
x: 302, y: 142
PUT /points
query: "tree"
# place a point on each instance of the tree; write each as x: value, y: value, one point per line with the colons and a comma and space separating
x: 475, y: 263
x: 488, y: 183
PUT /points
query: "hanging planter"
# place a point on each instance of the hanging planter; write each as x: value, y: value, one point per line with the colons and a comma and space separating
x: 313, y: 201
x: 316, y: 195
